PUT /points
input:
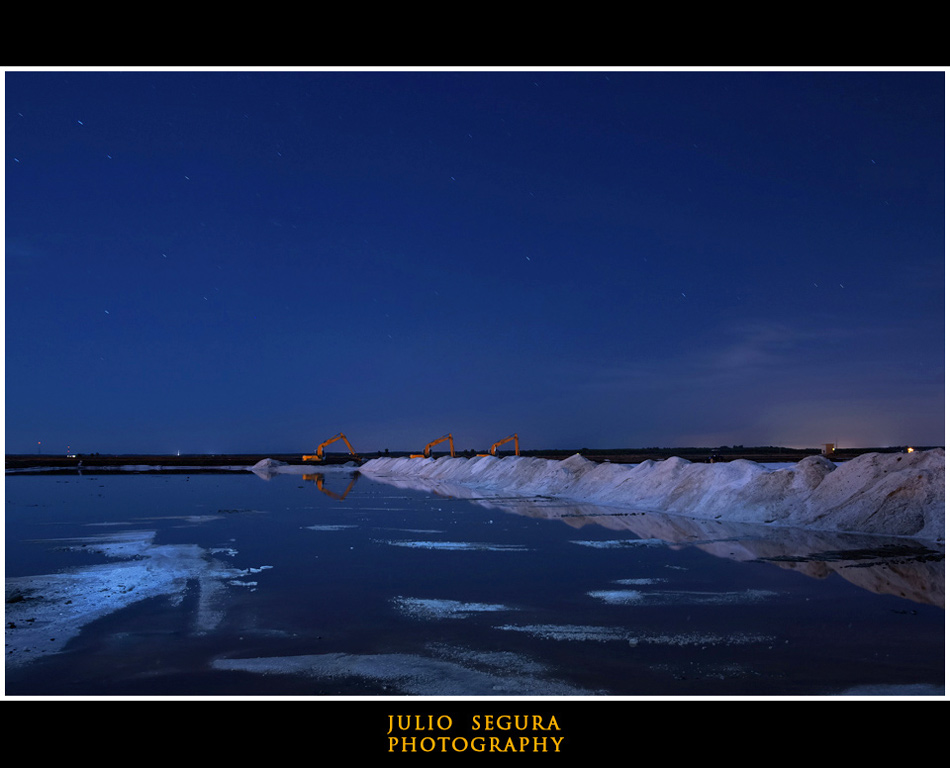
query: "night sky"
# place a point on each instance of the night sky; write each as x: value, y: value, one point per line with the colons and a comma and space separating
x: 240, y: 261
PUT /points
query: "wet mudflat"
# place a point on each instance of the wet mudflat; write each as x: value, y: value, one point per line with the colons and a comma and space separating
x: 334, y: 584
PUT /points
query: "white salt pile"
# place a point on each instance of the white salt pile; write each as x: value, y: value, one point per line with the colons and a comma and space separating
x: 897, y: 494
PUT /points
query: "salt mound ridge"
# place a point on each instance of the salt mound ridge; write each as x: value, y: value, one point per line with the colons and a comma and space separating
x: 880, y: 493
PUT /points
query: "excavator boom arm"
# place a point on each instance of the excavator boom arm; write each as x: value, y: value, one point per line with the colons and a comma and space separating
x: 428, y: 449
x: 506, y: 440
x: 339, y: 436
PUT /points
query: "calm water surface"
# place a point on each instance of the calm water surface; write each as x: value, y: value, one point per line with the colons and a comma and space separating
x: 336, y: 584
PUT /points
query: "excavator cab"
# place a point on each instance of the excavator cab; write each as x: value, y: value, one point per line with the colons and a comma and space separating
x: 426, y: 452
x: 318, y: 456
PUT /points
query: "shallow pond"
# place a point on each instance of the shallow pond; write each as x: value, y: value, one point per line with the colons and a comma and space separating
x: 336, y: 584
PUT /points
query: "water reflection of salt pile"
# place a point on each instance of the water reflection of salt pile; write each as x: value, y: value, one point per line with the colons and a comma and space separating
x: 877, y: 493
x: 267, y: 469
x: 906, y: 567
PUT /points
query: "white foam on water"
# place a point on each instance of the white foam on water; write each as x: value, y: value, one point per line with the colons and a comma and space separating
x: 44, y: 612
x: 455, y: 546
x: 700, y: 639
x: 578, y: 633
x: 632, y: 597
x: 581, y: 633
x: 621, y: 543
x: 328, y: 527
x: 466, y: 673
x: 443, y: 609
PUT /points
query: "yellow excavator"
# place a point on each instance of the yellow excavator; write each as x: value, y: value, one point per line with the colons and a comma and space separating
x: 318, y: 456
x: 494, y: 448
x: 428, y: 449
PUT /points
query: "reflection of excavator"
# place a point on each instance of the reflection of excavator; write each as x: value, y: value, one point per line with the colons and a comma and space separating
x: 318, y: 478
x: 318, y: 456
x: 428, y: 449
x: 494, y: 448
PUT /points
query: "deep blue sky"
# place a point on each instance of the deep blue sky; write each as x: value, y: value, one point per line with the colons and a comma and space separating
x: 255, y: 261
